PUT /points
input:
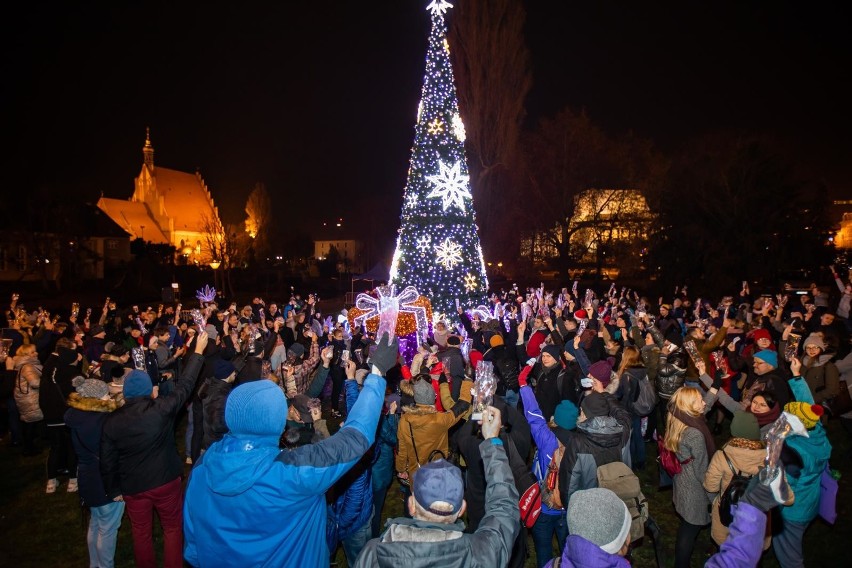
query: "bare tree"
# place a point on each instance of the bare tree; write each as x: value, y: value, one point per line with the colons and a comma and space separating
x: 259, y: 214
x: 492, y: 69
x: 226, y: 244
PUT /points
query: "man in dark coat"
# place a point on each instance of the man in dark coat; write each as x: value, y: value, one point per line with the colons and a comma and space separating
x: 140, y: 463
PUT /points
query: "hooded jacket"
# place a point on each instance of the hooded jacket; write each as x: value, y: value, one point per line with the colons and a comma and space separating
x: 813, y: 452
x: 55, y: 387
x: 26, y: 388
x: 250, y: 504
x: 85, y: 417
x: 596, y: 442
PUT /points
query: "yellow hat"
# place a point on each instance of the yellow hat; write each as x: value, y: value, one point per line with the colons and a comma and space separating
x: 809, y: 414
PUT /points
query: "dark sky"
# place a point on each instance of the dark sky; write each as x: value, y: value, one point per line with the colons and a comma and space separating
x: 318, y: 99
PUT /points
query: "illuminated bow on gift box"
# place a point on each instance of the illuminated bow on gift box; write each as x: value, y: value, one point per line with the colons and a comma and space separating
x: 206, y: 294
x: 482, y: 312
x: 388, y: 305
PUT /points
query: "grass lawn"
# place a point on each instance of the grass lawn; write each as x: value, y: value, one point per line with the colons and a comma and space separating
x: 47, y: 530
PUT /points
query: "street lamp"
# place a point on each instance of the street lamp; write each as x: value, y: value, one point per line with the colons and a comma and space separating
x: 214, y: 264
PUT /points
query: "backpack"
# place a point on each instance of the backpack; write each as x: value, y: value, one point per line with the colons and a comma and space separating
x: 668, y: 459
x: 732, y: 493
x: 645, y: 399
x: 526, y: 484
x: 507, y: 369
x: 621, y: 480
x: 550, y: 494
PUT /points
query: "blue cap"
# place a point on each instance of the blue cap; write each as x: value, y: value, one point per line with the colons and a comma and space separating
x: 768, y: 356
x: 438, y: 488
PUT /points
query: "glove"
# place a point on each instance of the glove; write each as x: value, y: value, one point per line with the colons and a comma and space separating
x: 385, y: 356
x: 522, y: 377
x: 717, y: 382
x: 766, y: 496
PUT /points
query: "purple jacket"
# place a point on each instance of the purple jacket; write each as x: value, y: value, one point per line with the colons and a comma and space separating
x: 743, y: 546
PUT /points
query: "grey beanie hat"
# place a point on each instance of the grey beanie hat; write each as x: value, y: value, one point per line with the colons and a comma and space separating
x: 211, y: 331
x: 599, y: 516
x: 424, y: 393
x: 90, y: 388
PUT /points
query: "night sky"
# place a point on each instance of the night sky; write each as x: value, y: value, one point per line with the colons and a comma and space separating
x: 318, y: 99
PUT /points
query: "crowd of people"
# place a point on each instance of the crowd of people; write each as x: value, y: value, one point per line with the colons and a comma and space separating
x: 590, y: 389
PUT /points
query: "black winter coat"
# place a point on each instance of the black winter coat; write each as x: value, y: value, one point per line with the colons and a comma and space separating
x: 86, y: 418
x: 61, y: 367
x: 138, y: 450
x: 213, y: 395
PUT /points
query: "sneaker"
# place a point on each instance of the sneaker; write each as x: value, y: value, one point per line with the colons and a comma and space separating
x: 52, y: 484
x: 188, y: 460
x: 72, y: 485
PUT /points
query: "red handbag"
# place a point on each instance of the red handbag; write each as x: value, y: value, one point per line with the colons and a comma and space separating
x: 668, y: 459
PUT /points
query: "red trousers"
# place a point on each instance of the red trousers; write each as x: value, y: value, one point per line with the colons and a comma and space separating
x: 167, y: 499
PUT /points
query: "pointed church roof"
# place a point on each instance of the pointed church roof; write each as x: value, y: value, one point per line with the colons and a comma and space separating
x: 187, y: 199
x: 134, y: 217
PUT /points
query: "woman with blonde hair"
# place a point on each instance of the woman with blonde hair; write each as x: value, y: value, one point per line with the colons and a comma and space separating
x: 688, y: 436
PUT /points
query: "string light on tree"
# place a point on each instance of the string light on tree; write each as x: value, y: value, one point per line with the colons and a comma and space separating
x: 458, y: 128
x: 448, y: 254
x: 438, y: 244
x: 450, y: 186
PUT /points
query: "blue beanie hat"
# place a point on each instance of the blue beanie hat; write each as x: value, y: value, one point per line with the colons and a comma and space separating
x: 257, y: 408
x: 566, y: 415
x: 137, y: 383
x: 768, y: 356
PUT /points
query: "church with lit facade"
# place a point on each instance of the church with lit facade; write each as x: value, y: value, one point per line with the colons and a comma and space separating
x: 167, y: 207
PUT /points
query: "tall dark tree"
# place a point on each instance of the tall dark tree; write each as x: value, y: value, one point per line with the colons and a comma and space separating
x: 492, y: 66
x: 734, y: 210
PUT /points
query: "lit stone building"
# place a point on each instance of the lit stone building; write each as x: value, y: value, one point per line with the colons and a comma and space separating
x: 167, y: 207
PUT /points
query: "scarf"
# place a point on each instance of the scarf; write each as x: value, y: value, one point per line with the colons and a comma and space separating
x: 700, y: 424
x: 769, y: 416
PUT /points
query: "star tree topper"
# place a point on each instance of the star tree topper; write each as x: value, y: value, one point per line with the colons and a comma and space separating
x: 450, y: 186
x: 439, y: 7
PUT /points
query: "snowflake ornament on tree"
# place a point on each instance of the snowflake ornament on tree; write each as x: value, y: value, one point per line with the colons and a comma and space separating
x: 448, y: 254
x: 470, y: 282
x: 450, y: 186
x: 458, y: 128
x: 424, y: 243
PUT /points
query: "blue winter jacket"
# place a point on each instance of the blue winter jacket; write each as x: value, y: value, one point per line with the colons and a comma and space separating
x: 250, y: 504
x: 814, y: 452
x: 353, y: 507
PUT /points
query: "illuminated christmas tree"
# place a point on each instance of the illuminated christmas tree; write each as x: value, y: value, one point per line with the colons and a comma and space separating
x: 438, y: 250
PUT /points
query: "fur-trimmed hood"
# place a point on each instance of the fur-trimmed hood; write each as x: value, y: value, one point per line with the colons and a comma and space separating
x: 420, y: 409
x: 91, y: 404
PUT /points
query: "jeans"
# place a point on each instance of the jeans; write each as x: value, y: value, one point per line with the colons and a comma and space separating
x: 542, y: 534
x: 338, y: 377
x: 167, y: 499
x: 354, y: 543
x: 788, y: 544
x: 512, y: 397
x: 103, y: 534
x: 637, y: 444
x: 685, y: 543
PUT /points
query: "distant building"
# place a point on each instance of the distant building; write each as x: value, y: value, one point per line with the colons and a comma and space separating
x: 843, y: 236
x: 349, y: 251
x: 609, y: 227
x: 167, y: 207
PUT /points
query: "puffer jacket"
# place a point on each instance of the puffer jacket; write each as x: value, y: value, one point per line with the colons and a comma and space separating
x: 27, y: 386
x: 671, y: 372
x: 596, y: 442
x: 747, y: 457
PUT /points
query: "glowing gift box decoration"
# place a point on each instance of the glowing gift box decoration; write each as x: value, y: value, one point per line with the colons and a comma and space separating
x: 405, y: 313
